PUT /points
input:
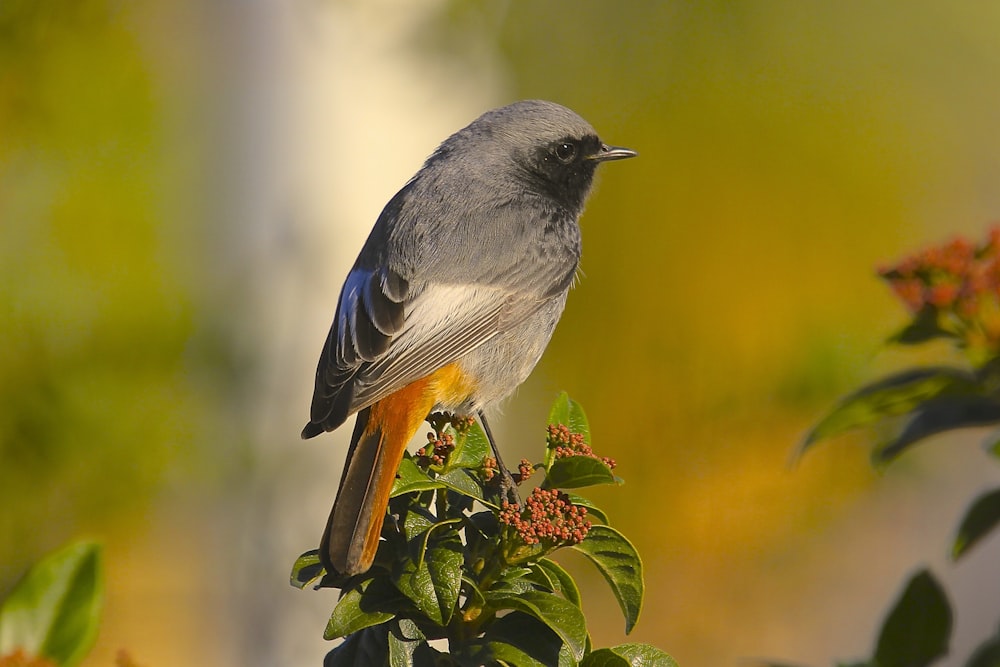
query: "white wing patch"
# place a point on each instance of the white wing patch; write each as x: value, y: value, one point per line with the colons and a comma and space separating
x: 443, y: 323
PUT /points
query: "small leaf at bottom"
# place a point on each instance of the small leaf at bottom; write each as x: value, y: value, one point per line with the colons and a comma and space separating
x: 561, y: 615
x: 918, y: 628
x: 370, y: 603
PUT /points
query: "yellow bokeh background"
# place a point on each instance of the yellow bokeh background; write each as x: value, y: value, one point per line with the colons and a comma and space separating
x: 183, y: 186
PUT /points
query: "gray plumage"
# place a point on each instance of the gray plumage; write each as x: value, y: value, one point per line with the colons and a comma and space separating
x: 467, y: 267
x: 470, y: 262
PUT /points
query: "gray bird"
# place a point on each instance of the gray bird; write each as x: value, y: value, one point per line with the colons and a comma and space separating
x: 452, y: 299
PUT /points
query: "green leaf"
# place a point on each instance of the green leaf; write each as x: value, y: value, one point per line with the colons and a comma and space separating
x: 522, y: 640
x: 892, y: 396
x: 54, y: 611
x: 935, y: 415
x: 407, y: 645
x: 593, y: 511
x: 986, y: 654
x: 559, y: 412
x: 306, y: 569
x: 481, y: 538
x: 564, y: 582
x: 472, y: 591
x: 514, y: 581
x: 444, y: 559
x: 370, y: 603
x: 514, y: 573
x: 540, y: 579
x: 569, y: 413
x: 604, y: 657
x: 366, y: 647
x: 572, y: 472
x: 922, y: 329
x: 578, y: 421
x: 507, y: 654
x: 916, y: 632
x: 410, y: 478
x: 562, y: 616
x: 471, y: 448
x: 417, y: 521
x: 433, y: 584
x: 629, y: 655
x: 460, y: 481
x: 981, y: 517
x: 619, y: 563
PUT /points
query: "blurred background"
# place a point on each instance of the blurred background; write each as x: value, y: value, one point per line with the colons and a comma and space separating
x: 183, y: 186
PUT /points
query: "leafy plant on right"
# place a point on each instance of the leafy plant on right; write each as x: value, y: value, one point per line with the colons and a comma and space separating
x: 952, y: 292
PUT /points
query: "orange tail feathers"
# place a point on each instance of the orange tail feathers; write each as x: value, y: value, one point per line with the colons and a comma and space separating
x: 380, y: 437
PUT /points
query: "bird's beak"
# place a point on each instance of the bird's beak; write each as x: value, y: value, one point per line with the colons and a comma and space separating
x: 612, y: 153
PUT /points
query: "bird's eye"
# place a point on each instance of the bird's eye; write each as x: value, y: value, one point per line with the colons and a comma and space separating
x: 566, y: 151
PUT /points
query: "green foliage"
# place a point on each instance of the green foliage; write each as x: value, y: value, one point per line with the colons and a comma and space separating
x: 987, y: 654
x: 457, y: 562
x: 108, y: 335
x: 574, y: 472
x: 628, y: 655
x: 54, y: 611
x: 567, y: 411
x: 981, y: 517
x: 932, y: 400
x: 890, y: 397
x: 619, y: 563
x: 916, y: 632
x: 953, y: 293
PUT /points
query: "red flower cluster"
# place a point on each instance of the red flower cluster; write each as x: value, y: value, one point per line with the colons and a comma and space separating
x: 441, y: 420
x: 566, y: 443
x: 490, y: 467
x: 437, y: 449
x: 524, y: 470
x: 548, y: 516
x: 960, y: 282
x: 19, y: 658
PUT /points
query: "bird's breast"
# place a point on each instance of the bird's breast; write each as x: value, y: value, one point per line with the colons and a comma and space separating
x: 497, y: 367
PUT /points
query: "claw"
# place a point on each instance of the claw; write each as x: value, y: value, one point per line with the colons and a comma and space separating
x: 508, y: 488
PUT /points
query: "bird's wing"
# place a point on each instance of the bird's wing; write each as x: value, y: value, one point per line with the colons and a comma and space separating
x: 388, y: 333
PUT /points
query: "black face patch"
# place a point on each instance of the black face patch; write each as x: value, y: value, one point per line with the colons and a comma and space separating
x: 564, y: 169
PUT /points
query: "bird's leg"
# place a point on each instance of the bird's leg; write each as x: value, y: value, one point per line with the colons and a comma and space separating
x: 508, y: 488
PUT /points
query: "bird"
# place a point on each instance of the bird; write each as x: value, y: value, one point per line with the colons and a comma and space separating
x: 452, y: 299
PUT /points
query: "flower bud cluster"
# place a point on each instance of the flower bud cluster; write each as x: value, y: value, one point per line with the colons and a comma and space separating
x: 548, y: 516
x: 524, y: 470
x: 565, y: 443
x: 20, y: 658
x: 441, y: 420
x: 490, y: 467
x: 436, y: 451
x: 959, y: 282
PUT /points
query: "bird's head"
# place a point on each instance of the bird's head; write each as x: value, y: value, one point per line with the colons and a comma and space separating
x: 539, y: 146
